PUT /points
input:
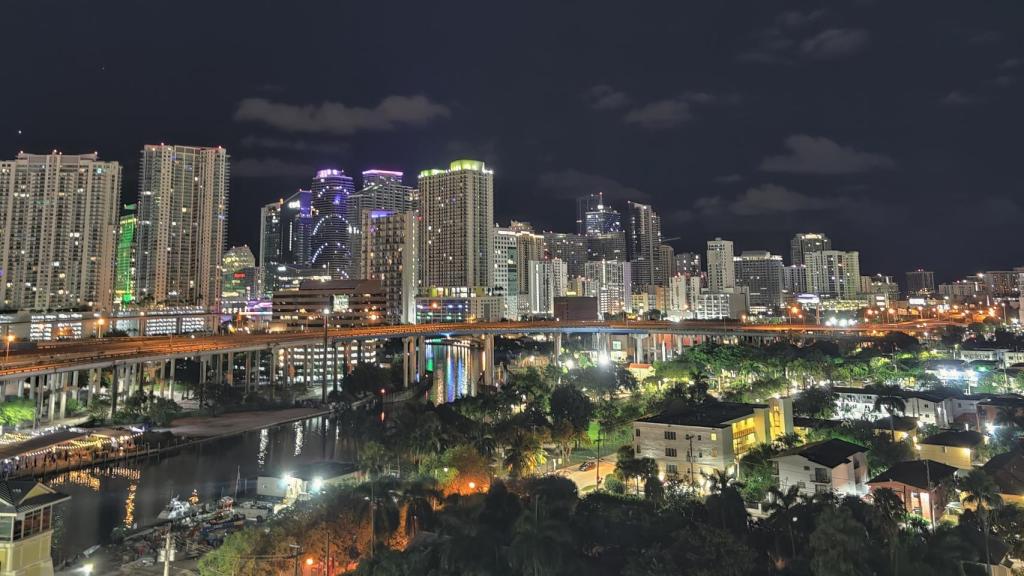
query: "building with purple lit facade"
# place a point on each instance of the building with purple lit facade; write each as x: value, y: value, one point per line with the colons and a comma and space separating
x: 330, y: 246
x: 382, y: 191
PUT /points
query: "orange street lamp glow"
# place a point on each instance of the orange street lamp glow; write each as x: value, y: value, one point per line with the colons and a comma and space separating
x: 309, y: 561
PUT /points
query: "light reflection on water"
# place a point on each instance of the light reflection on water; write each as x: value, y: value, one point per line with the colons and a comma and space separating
x: 135, y: 493
x: 454, y: 369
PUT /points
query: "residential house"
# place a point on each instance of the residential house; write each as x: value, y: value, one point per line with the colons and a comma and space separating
x: 927, y: 406
x: 924, y: 486
x: 26, y: 527
x: 958, y: 448
x: 831, y: 465
x: 711, y: 436
x: 1007, y: 470
x: 990, y: 408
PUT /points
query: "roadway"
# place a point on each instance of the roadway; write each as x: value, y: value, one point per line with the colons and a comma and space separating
x: 53, y: 357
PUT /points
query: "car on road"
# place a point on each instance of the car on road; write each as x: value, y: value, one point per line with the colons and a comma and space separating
x: 588, y: 465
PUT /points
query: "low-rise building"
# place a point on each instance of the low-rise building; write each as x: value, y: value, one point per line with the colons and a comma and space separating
x: 927, y: 406
x: 958, y: 448
x: 831, y: 465
x: 709, y: 436
x: 922, y: 485
x: 26, y: 527
x: 989, y: 409
x: 1007, y: 471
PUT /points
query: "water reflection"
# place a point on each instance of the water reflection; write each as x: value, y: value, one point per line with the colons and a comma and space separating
x: 104, y: 498
x: 455, y: 367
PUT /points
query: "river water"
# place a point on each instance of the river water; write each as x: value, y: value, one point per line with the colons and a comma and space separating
x: 136, y: 493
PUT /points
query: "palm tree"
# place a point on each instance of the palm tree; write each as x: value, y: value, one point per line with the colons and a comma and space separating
x: 978, y: 489
x: 889, y: 398
x: 538, y: 544
x: 718, y: 480
x: 523, y: 453
x: 780, y: 509
x: 420, y: 498
x: 892, y: 511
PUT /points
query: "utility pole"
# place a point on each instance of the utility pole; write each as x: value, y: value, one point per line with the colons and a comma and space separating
x: 689, y: 457
x: 597, y: 468
x: 167, y: 550
x: 298, y: 552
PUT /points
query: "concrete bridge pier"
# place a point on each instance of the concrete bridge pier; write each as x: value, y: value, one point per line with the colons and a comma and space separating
x: 488, y: 358
x: 557, y: 338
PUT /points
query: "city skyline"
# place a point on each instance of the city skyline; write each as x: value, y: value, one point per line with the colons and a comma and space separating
x: 785, y: 120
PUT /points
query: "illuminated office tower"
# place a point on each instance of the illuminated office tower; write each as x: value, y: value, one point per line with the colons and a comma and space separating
x: 506, y: 270
x: 610, y: 281
x: 805, y: 243
x: 833, y: 274
x: 239, y: 275
x: 457, y: 211
x: 570, y: 248
x: 331, y: 250
x: 183, y: 210
x: 58, y: 231
x: 548, y: 280
x: 124, y: 268
x: 761, y: 273
x: 643, y: 241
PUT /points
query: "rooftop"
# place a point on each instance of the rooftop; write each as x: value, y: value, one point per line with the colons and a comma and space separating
x: 922, y: 474
x: 1007, y: 470
x: 830, y: 453
x: 707, y: 414
x: 25, y: 495
x: 955, y: 439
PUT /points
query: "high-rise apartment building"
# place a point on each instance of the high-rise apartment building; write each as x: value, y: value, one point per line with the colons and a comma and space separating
x: 804, y: 243
x: 58, y: 231
x: 760, y: 272
x: 920, y: 283
x: 584, y: 205
x: 507, y: 276
x: 608, y: 246
x: 183, y: 212
x: 833, y: 274
x: 1001, y: 283
x: 390, y: 256
x: 610, y: 281
x: 570, y: 248
x: 794, y: 280
x: 721, y: 265
x: 124, y: 269
x: 382, y: 190
x: 643, y: 241
x: 601, y: 219
x: 286, y: 228
x: 688, y: 263
x: 330, y: 249
x: 457, y: 211
x: 666, y: 264
x: 548, y: 280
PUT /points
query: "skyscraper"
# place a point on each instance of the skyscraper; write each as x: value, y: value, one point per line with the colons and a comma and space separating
x: 666, y: 264
x: 721, y: 267
x: 833, y: 274
x: 183, y: 210
x: 382, y: 190
x: 390, y: 255
x: 643, y: 239
x: 920, y: 283
x: 124, y: 271
x: 457, y: 211
x: 584, y: 205
x: 58, y: 231
x: 611, y: 283
x: 330, y: 249
x: 506, y: 270
x: 238, y: 268
x: 804, y: 243
x: 270, y: 245
x: 297, y: 229
x: 688, y: 263
x: 548, y: 280
x: 760, y: 272
x: 571, y: 248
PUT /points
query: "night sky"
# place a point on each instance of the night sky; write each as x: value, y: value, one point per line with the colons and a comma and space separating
x: 894, y: 127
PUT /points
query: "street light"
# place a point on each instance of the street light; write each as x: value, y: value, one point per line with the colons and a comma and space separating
x: 323, y: 389
x: 99, y: 327
x: 8, y: 340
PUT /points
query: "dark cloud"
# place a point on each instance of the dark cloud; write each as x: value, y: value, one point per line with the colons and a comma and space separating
x: 818, y: 155
x: 766, y: 199
x: 728, y: 179
x: 338, y: 148
x: 660, y: 114
x: 338, y: 118
x: 794, y: 19
x: 269, y: 168
x: 574, y: 183
x: 604, y: 97
x: 1005, y: 80
x: 1010, y: 64
x: 957, y: 98
x: 835, y: 43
